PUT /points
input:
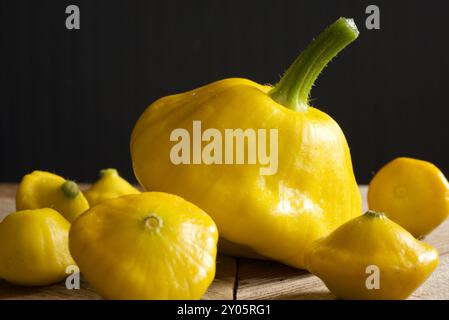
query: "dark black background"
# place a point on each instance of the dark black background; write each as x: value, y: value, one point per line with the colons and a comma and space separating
x: 69, y: 98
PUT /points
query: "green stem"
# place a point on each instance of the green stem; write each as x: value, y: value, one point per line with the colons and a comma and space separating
x: 70, y: 189
x: 293, y: 89
x: 108, y: 172
x: 374, y: 214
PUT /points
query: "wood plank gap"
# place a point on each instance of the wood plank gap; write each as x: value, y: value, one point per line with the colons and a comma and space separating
x: 236, y: 279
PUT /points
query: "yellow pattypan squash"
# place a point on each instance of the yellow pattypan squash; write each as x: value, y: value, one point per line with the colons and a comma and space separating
x: 371, y: 257
x: 412, y: 193
x: 41, y: 189
x: 110, y: 185
x: 307, y: 190
x: 34, y: 247
x: 146, y: 246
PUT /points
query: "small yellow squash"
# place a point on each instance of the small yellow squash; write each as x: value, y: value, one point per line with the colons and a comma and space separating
x: 34, y: 247
x: 371, y: 257
x: 41, y: 189
x: 412, y: 193
x: 109, y: 186
x: 146, y: 246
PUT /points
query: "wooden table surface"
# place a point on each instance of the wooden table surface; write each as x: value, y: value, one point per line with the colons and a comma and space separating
x: 241, y: 279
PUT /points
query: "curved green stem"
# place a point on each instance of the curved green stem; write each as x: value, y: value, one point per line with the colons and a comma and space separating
x: 70, y: 189
x: 293, y: 89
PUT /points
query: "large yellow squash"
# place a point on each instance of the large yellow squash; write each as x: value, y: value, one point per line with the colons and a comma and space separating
x: 260, y: 211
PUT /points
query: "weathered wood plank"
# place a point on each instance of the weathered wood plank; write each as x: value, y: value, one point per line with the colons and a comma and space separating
x: 223, y: 286
x: 54, y: 292
x: 271, y: 280
x: 255, y: 279
x: 8, y: 190
x: 221, y: 289
x: 7, y: 205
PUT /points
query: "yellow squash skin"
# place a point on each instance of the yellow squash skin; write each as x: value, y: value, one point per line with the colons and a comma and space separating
x: 109, y: 186
x: 34, y: 247
x: 41, y: 189
x: 412, y: 193
x: 342, y: 258
x: 146, y: 246
x: 313, y: 192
